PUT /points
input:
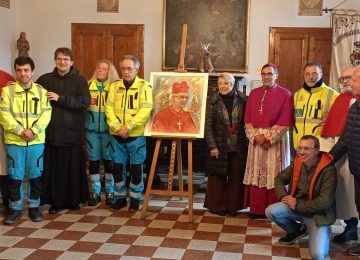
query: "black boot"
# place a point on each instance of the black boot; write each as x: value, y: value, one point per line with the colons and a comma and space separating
x: 134, y: 204
x: 119, y: 204
x: 12, y: 217
x: 35, y: 214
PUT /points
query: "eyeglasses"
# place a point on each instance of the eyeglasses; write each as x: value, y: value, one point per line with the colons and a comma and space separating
x: 341, y: 80
x: 305, y: 148
x: 270, y: 74
x: 127, y: 69
x: 312, y: 75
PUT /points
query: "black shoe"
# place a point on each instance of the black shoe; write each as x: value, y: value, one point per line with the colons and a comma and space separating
x: 134, y: 204
x: 354, y: 250
x: 256, y: 216
x: 53, y: 210
x: 232, y: 213
x: 345, y: 236
x: 35, y: 214
x: 12, y: 217
x: 94, y: 200
x: 119, y: 204
x: 293, y: 237
x: 110, y: 198
x: 76, y: 207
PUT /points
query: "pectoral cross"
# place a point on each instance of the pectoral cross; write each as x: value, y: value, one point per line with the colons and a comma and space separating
x: 179, y: 125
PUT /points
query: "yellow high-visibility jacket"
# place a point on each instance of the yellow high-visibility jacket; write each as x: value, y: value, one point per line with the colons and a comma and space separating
x: 311, y: 110
x: 130, y: 108
x: 20, y: 109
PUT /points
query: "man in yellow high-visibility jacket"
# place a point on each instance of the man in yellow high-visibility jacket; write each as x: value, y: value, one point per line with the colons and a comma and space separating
x: 24, y: 114
x: 127, y: 109
x: 312, y: 103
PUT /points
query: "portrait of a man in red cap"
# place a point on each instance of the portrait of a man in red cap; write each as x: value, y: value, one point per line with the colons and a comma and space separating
x: 174, y: 119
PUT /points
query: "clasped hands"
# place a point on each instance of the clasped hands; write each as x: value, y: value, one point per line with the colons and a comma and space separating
x: 262, y: 141
x: 27, y: 135
x: 123, y: 132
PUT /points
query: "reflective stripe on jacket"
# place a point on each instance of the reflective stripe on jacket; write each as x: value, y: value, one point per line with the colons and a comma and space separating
x: 20, y: 109
x: 95, y: 119
x: 311, y: 109
x: 129, y: 107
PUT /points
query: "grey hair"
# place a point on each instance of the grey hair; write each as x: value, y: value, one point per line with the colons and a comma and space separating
x: 133, y: 58
x: 230, y: 78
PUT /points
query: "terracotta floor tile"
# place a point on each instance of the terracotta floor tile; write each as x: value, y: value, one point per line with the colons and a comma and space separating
x: 70, y: 235
x: 58, y: 225
x: 83, y: 246
x: 122, y: 239
x: 92, y: 219
x: 44, y: 254
x: 138, y: 222
x: 20, y: 232
x: 106, y: 228
x: 214, y: 236
x: 185, y: 225
x: 234, y: 229
x: 255, y: 257
x: 286, y: 251
x: 146, y: 251
x: 262, y: 240
x: 175, y: 242
x: 230, y: 247
x: 103, y: 257
x: 31, y: 242
x: 164, y: 216
x: 213, y: 220
x: 197, y: 254
x: 159, y: 232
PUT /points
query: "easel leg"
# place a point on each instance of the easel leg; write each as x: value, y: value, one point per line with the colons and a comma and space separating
x: 151, y: 179
x: 190, y: 181
x: 179, y: 165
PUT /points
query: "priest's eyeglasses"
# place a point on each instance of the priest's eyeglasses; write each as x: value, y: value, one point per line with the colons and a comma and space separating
x: 341, y: 80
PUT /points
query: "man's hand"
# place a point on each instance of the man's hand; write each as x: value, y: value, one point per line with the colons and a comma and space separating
x: 259, y: 139
x: 290, y: 201
x: 27, y: 135
x: 215, y: 153
x: 123, y: 132
x: 52, y: 96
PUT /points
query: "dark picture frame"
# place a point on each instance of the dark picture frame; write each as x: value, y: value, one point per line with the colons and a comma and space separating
x: 223, y: 23
x: 5, y: 3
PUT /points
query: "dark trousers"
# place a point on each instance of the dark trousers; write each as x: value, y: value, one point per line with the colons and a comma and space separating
x: 5, y: 191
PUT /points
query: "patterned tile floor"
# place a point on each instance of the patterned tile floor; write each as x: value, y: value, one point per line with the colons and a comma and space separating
x: 97, y: 233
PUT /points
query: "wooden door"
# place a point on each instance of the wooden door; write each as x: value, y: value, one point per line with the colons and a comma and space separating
x: 291, y: 48
x: 93, y: 42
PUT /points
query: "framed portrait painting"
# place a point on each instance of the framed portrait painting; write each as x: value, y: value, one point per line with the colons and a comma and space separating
x: 179, y: 105
x: 222, y: 23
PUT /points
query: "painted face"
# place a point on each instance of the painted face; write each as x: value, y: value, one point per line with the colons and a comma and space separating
x: 307, y: 151
x: 312, y: 75
x: 128, y: 71
x: 63, y: 63
x: 180, y: 100
x: 24, y: 74
x: 355, y: 82
x: 102, y: 71
x: 268, y: 76
x: 224, y: 86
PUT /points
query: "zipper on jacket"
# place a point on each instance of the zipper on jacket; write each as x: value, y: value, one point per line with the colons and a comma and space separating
x: 27, y: 113
x: 307, y: 108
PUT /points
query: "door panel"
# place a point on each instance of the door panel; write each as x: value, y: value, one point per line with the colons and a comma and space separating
x: 92, y: 42
x: 291, y: 48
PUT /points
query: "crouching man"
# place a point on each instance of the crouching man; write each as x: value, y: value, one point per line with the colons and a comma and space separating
x: 24, y: 114
x: 309, y: 206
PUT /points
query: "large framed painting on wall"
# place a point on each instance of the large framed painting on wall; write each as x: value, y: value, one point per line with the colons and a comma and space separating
x: 179, y: 105
x: 5, y: 3
x: 223, y: 23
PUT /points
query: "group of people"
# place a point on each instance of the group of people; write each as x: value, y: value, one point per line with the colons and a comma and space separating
x: 48, y: 123
x: 250, y: 154
x: 52, y: 125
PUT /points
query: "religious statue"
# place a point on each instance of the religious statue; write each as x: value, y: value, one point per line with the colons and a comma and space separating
x: 23, y: 45
x: 205, y: 61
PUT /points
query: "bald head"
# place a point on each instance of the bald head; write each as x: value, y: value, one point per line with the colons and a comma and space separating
x: 345, y: 79
x: 355, y: 82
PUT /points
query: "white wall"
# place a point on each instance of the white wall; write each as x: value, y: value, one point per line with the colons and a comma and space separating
x: 48, y: 26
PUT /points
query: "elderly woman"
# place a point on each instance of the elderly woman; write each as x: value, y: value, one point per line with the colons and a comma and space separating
x: 98, y: 138
x: 226, y: 139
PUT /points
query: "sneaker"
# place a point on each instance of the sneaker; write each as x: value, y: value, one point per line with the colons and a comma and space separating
x: 119, y: 204
x: 345, y: 236
x: 94, y: 200
x: 35, y: 214
x: 110, y: 198
x: 12, y: 217
x: 293, y: 237
x: 134, y: 204
x: 354, y: 250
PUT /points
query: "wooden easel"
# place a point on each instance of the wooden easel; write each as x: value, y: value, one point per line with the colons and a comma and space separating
x: 175, y: 154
